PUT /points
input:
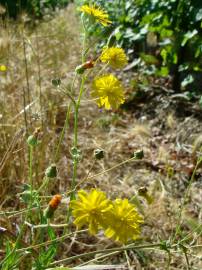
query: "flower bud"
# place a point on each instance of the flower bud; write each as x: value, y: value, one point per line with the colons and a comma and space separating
x: 80, y: 69
x: 143, y: 192
x: 56, y: 82
x: 99, y: 154
x: 138, y: 154
x: 51, y: 171
x: 33, y: 139
x: 76, y: 153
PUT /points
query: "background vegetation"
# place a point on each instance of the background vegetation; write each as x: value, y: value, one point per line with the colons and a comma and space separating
x: 165, y: 35
x: 36, y: 8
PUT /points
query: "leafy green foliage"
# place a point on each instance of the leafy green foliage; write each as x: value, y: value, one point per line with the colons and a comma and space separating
x: 12, y: 258
x: 47, y: 254
x: 173, y: 28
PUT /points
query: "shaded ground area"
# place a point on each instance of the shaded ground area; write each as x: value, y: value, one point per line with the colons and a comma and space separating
x: 165, y: 126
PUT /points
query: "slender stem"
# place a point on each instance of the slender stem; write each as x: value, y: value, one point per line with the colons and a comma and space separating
x: 44, y: 184
x: 185, y: 198
x: 24, y: 110
x: 75, y: 142
x: 30, y: 172
x: 149, y: 246
x: 61, y: 238
x: 187, y: 260
x: 127, y: 259
x: 39, y: 75
x: 76, y: 115
x: 105, y: 171
x: 26, y: 70
x: 56, y: 155
x: 46, y: 225
x: 98, y: 258
x: 169, y: 261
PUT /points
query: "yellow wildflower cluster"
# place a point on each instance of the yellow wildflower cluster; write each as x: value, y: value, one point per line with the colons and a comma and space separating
x: 106, y: 89
x: 119, y: 219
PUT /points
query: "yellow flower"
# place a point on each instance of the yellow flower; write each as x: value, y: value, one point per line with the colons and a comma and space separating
x: 108, y: 91
x: 3, y: 68
x: 90, y: 209
x: 97, y: 13
x: 116, y: 57
x: 125, y: 222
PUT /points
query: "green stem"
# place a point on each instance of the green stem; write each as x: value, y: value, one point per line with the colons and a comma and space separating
x: 187, y: 260
x: 59, y: 239
x: 76, y: 115
x: 44, y: 184
x: 178, y: 227
x: 75, y: 142
x: 56, y: 155
x: 30, y: 173
x: 149, y: 246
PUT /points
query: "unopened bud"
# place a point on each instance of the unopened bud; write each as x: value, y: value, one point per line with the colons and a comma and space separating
x: 33, y: 139
x: 51, y: 171
x: 143, y: 192
x: 99, y: 154
x: 138, y: 154
x: 80, y: 69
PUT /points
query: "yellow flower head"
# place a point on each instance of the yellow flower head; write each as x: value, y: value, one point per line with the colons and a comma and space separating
x: 97, y: 13
x: 116, y: 57
x: 125, y: 222
x: 109, y: 91
x: 3, y: 68
x: 90, y: 209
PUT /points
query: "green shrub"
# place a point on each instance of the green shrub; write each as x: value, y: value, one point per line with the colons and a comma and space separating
x: 176, y: 26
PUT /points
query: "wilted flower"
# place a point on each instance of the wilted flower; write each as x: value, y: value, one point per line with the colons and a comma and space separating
x: 97, y: 13
x: 87, y: 65
x: 52, y: 206
x: 90, y: 209
x: 109, y: 91
x: 55, y: 201
x: 116, y: 57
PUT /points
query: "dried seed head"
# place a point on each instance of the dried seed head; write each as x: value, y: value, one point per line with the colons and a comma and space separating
x: 55, y: 201
x: 52, y: 206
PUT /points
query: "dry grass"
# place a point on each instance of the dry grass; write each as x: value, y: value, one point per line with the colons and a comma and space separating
x: 28, y: 100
